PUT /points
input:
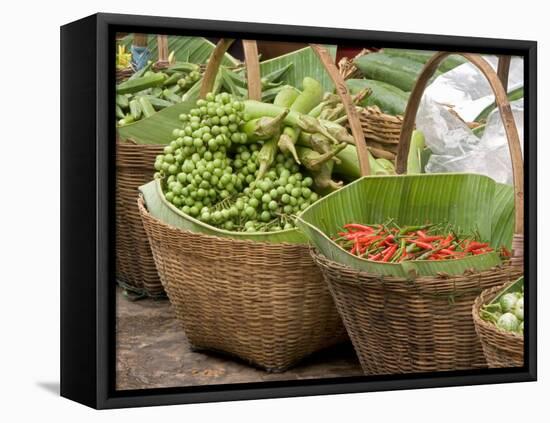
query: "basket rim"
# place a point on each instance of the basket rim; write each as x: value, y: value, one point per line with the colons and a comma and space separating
x: 487, y: 295
x: 320, y: 257
x: 143, y: 210
x: 230, y: 234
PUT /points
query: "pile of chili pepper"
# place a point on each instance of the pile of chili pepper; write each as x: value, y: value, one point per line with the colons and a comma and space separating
x: 393, y: 244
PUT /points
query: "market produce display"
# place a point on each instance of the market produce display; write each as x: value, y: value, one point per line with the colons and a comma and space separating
x: 507, y: 312
x: 147, y: 91
x: 388, y: 242
x: 249, y: 165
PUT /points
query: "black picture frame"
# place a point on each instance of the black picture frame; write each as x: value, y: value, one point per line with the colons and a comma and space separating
x: 87, y: 210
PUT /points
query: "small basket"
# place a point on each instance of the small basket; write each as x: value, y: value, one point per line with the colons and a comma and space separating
x: 403, y: 325
x: 135, y: 267
x: 265, y: 303
x: 424, y: 323
x: 501, y: 348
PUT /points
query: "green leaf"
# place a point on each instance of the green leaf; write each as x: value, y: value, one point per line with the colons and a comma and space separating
x: 158, y: 128
x: 186, y: 49
x: 303, y: 62
x: 503, y: 216
x: 512, y: 96
x: 464, y: 200
x: 169, y: 214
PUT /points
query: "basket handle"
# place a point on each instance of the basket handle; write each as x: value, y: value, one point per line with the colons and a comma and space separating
x: 503, y: 69
x: 509, y: 126
x: 162, y: 47
x: 252, y: 62
x: 353, y: 117
x: 252, y: 65
x: 213, y: 65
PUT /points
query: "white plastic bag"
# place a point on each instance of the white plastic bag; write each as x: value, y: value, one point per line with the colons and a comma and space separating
x: 456, y: 97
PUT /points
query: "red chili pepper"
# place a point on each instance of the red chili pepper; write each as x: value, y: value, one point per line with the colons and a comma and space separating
x: 447, y: 251
x: 359, y: 227
x: 369, y: 239
x: 391, y: 251
x: 430, y: 238
x: 474, y: 245
x: 424, y: 245
x: 389, y: 240
x: 505, y: 252
x: 421, y: 234
x: 375, y: 257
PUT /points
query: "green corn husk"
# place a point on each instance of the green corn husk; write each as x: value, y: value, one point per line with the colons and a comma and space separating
x: 169, y: 214
x: 464, y: 200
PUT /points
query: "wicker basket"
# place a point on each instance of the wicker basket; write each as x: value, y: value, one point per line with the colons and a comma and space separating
x: 424, y: 324
x: 135, y: 267
x: 501, y: 348
x: 265, y: 303
x: 400, y: 325
x: 382, y: 130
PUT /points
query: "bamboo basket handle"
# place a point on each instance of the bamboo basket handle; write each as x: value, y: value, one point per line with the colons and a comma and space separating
x: 252, y: 63
x: 162, y: 47
x: 353, y: 118
x: 503, y: 70
x: 213, y: 65
x: 509, y: 126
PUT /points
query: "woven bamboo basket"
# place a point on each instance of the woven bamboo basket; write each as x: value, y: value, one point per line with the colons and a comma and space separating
x: 501, y: 348
x: 381, y: 130
x: 424, y: 324
x: 265, y: 303
x: 135, y: 267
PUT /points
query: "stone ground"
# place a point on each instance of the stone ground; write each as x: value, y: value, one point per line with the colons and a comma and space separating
x: 152, y: 352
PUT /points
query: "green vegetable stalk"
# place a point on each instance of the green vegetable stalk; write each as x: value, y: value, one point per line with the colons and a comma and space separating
x: 264, y: 128
x: 266, y: 155
x: 287, y: 142
x: 322, y: 179
x: 312, y: 160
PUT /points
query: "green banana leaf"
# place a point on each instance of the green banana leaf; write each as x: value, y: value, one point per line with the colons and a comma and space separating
x: 503, y: 216
x: 304, y: 62
x: 158, y: 128
x: 464, y: 200
x: 186, y: 49
x: 169, y: 214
